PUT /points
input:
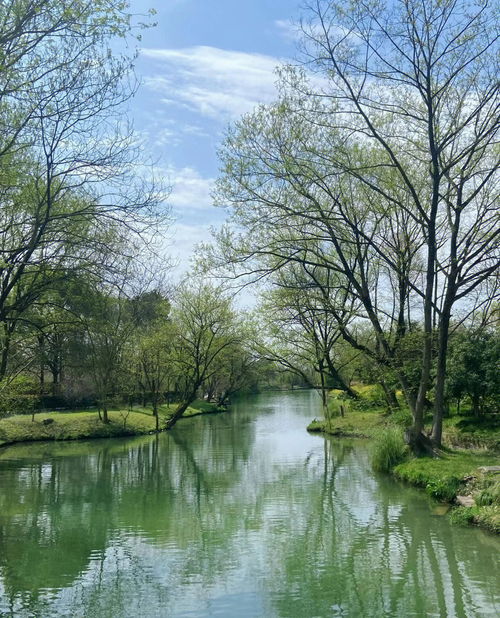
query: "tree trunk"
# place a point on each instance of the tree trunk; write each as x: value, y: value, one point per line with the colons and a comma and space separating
x: 475, y: 404
x: 179, y: 411
x: 155, y: 413
x: 419, y: 443
x: 390, y: 396
x: 339, y: 381
x: 437, y: 421
x: 324, y: 392
x: 6, y: 336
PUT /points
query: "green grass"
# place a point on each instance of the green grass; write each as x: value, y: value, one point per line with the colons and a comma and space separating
x: 447, y: 472
x: 487, y: 517
x: 457, y: 473
x: 472, y: 432
x: 389, y: 449
x: 76, y: 425
x: 356, y: 423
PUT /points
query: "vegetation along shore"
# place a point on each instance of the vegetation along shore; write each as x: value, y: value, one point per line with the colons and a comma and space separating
x: 81, y: 425
x: 464, y: 473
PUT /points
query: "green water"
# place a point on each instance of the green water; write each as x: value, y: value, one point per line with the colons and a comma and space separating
x: 238, y: 514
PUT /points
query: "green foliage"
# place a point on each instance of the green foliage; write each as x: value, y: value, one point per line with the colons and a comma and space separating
x: 490, y: 495
x: 370, y: 396
x: 389, y: 450
x: 445, y: 488
x: 463, y: 515
x: 487, y: 517
x: 18, y: 396
x: 487, y: 490
x: 473, y: 432
x: 473, y: 363
x: 337, y: 406
x: 443, y: 477
x: 402, y: 418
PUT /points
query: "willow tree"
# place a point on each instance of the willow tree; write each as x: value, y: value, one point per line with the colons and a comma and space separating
x: 205, y: 327
x: 385, y: 151
x: 303, y: 331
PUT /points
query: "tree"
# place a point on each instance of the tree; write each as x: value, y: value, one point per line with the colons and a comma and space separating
x: 109, y: 327
x: 473, y: 368
x: 418, y: 81
x: 387, y: 163
x: 205, y: 328
x: 155, y: 363
x: 305, y: 333
x: 236, y: 368
x: 69, y: 193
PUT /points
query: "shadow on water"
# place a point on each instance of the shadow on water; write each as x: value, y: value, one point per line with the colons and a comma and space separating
x: 241, y: 514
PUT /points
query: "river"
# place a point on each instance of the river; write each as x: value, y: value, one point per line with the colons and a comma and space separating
x: 237, y: 514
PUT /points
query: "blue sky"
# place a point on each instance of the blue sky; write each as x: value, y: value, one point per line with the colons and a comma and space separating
x: 204, y: 64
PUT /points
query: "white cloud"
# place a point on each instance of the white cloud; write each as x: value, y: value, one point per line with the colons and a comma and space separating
x: 190, y: 190
x: 184, y: 240
x: 288, y: 29
x: 214, y: 82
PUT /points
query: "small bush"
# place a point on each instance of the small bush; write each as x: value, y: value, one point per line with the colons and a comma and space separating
x: 462, y: 515
x: 445, y: 488
x: 488, y: 495
x: 389, y: 450
x: 18, y: 396
x: 370, y: 396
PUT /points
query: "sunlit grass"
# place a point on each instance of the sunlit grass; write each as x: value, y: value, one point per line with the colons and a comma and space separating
x: 75, y: 425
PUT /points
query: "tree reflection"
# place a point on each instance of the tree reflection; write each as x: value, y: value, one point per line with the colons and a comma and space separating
x: 218, y: 512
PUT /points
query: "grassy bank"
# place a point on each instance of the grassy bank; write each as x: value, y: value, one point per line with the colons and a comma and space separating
x: 459, y: 473
x: 471, y: 444
x: 355, y: 424
x: 77, y: 425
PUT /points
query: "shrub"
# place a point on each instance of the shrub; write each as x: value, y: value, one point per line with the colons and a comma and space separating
x: 488, y: 495
x: 443, y: 488
x: 389, y: 450
x: 462, y: 515
x: 370, y: 396
x: 18, y: 396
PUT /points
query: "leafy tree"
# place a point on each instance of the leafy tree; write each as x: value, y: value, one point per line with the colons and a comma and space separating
x: 108, y: 332
x: 383, y: 171
x: 205, y: 328
x: 67, y: 163
x: 155, y: 363
x: 473, y: 369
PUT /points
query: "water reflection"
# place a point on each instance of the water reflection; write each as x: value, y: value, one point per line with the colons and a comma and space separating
x: 242, y: 514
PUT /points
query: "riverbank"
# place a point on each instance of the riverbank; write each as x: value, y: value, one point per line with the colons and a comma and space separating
x: 83, y: 425
x: 464, y: 474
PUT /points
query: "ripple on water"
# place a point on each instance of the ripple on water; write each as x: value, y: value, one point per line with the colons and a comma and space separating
x: 244, y: 514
